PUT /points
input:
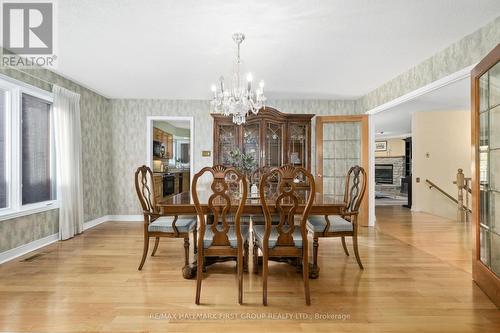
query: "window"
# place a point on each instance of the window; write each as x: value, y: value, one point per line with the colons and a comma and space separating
x: 27, y: 159
x: 37, y: 184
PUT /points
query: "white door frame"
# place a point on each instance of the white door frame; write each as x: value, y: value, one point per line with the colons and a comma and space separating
x: 457, y: 76
x: 149, y: 140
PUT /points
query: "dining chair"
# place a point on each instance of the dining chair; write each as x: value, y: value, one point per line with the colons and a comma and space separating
x: 157, y: 225
x: 345, y: 224
x: 223, y: 235
x: 284, y: 239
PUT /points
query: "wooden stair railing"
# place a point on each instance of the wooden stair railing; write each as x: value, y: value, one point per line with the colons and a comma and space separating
x: 461, y: 206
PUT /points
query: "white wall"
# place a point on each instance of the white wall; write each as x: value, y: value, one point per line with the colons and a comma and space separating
x: 395, y: 148
x: 441, y: 144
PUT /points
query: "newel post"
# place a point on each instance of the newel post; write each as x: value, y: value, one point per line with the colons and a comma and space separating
x: 460, y: 186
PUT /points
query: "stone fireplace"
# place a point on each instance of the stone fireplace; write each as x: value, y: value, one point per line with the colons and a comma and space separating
x: 389, y: 171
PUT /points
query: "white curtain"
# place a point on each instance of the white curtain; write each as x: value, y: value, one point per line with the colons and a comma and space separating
x: 69, y: 161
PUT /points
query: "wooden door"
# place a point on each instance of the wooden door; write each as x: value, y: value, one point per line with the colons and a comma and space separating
x: 341, y: 142
x: 485, y: 84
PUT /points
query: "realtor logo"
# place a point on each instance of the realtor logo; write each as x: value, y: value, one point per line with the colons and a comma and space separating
x: 28, y: 27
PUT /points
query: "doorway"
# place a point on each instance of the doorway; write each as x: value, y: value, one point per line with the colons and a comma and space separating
x: 425, y: 140
x: 170, y: 146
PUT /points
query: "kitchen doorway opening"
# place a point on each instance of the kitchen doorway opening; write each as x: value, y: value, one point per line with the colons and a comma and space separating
x: 170, y: 154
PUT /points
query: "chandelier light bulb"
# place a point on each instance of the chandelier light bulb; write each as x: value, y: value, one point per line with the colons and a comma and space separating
x: 214, y: 88
x: 261, y: 84
x: 249, y: 77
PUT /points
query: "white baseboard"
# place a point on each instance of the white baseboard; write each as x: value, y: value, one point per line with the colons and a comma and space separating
x: 126, y: 218
x: 109, y: 218
x: 93, y: 223
x: 35, y: 245
x: 25, y: 248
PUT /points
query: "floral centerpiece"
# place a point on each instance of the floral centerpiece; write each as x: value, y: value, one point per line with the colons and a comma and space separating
x: 245, y: 163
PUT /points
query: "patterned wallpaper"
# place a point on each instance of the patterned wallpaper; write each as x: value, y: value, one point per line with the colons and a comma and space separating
x: 129, y: 131
x: 465, y: 52
x: 95, y: 154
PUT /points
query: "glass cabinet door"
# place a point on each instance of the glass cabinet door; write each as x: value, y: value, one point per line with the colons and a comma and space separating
x: 489, y: 168
x: 251, y: 140
x: 228, y: 141
x: 273, y: 144
x: 297, y: 145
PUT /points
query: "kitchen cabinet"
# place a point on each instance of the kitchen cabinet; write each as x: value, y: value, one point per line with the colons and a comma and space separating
x: 158, y: 187
x: 157, y: 134
x: 185, y: 182
x: 166, y: 139
x: 170, y: 145
x: 273, y: 138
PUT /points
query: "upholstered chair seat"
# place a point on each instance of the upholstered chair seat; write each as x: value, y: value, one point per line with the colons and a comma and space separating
x: 259, y: 230
x: 164, y: 224
x: 337, y: 224
x: 231, y: 235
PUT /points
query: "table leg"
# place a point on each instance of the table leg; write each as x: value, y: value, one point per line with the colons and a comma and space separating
x: 314, y: 268
x: 189, y: 271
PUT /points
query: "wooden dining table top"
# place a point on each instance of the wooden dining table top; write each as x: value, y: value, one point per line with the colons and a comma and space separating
x: 182, y: 203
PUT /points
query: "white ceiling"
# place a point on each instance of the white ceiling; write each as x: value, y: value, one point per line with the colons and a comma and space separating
x: 177, y: 123
x: 396, y: 121
x: 180, y: 123
x: 302, y: 48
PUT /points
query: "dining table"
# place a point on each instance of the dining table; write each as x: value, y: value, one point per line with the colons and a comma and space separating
x: 183, y: 204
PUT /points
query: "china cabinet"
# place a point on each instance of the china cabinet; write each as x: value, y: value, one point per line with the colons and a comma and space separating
x: 486, y: 174
x: 273, y: 138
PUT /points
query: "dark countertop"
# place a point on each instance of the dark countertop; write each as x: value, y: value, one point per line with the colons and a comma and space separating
x: 171, y: 171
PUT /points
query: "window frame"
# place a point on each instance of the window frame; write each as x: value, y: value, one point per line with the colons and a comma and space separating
x: 14, y: 92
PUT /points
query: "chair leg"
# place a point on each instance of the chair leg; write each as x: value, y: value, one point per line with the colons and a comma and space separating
x: 298, y: 264
x: 246, y: 257
x: 264, y: 278
x: 305, y: 276
x: 199, y: 272
x: 315, y: 251
x: 255, y: 257
x: 239, y: 264
x: 144, y: 251
x: 157, y: 241
x: 356, y: 252
x: 345, y: 246
x: 186, y: 250
x: 195, y: 240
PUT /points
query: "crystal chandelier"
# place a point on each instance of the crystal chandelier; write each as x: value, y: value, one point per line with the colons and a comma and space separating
x: 239, y: 100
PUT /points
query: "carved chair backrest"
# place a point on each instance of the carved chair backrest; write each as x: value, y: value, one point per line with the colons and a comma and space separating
x: 257, y: 174
x: 355, y: 186
x: 228, y: 192
x: 286, y: 200
x: 144, y: 186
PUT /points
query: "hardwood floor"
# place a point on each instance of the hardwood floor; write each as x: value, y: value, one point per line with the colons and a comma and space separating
x: 416, y: 278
